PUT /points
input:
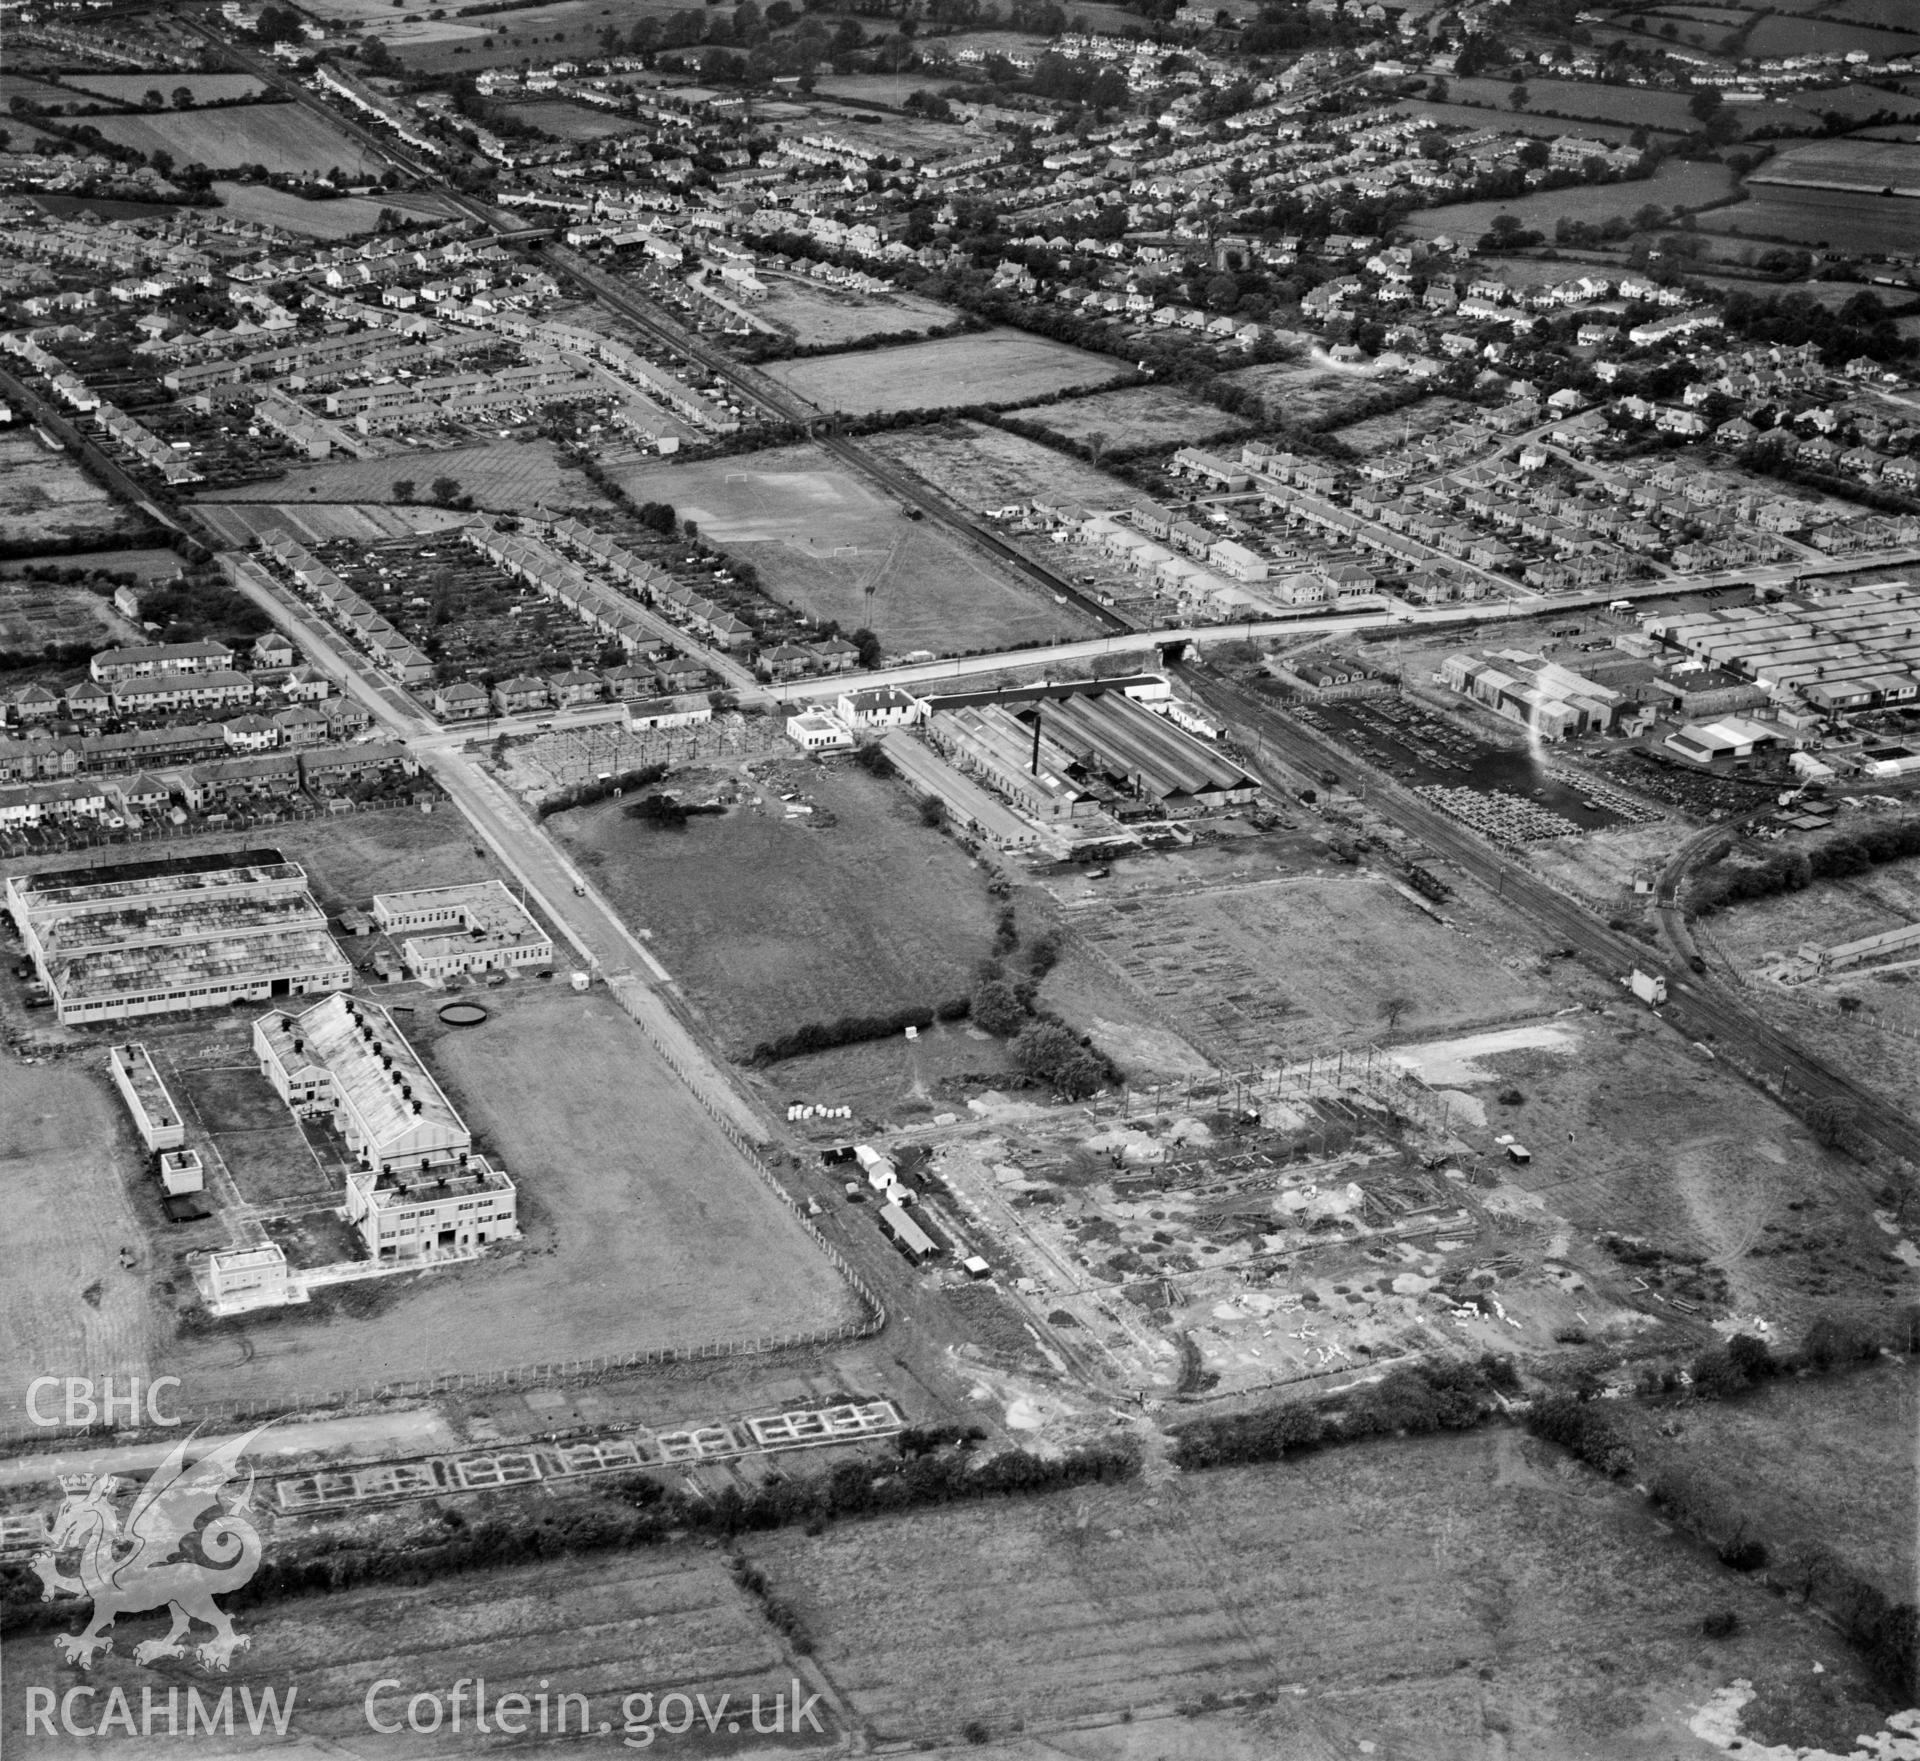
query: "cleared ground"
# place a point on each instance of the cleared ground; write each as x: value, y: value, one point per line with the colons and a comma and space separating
x: 1443, y: 1599
x: 45, y: 495
x: 822, y: 317
x: 1141, y: 416
x: 1677, y: 183
x: 771, y: 922
x: 831, y: 546
x: 1306, y: 395
x: 512, y: 477
x: 1001, y: 368
x: 983, y: 468
x: 32, y: 614
x: 1378, y: 434
x: 282, y: 137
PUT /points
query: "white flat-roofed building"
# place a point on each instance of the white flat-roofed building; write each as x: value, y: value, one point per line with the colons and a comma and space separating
x: 188, y: 938
x: 245, y: 1277
x: 155, y: 1116
x: 420, y: 1189
x: 447, y: 930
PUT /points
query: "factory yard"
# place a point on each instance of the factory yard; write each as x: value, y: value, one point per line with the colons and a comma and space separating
x: 833, y: 547
x: 770, y: 921
x: 997, y: 368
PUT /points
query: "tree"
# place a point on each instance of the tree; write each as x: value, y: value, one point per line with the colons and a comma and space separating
x: 1049, y: 1053
x: 445, y: 489
x: 996, y: 1009
x: 1392, y: 1009
x: 1437, y: 93
x: 1830, y: 1120
x: 183, y: 97
x: 403, y: 489
x: 868, y: 644
x: 1519, y: 98
x: 1704, y: 103
x: 153, y: 100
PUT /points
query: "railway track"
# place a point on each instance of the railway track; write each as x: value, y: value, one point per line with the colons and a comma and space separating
x: 1700, y: 1011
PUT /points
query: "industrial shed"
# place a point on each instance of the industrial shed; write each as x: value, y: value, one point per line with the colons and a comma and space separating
x: 1111, y: 736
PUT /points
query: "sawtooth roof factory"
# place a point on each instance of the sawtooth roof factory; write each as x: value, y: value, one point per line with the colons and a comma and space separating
x: 161, y: 938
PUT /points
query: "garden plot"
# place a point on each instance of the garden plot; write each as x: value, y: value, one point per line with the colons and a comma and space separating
x: 34, y: 614
x: 998, y: 368
x: 983, y: 468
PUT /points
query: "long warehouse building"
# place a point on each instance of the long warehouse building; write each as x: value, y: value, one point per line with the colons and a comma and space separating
x: 1111, y: 736
x: 112, y: 947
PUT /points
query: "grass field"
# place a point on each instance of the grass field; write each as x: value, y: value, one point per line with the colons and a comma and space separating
x: 1678, y: 183
x: 1865, y: 165
x: 511, y: 478
x: 1588, y: 101
x: 822, y: 317
x: 1139, y: 417
x: 132, y: 88
x: 770, y: 922
x: 66, y: 1158
x: 1829, y: 1459
x: 573, y: 122
x: 282, y: 137
x: 257, y: 1139
x: 820, y: 538
x: 314, y: 523
x: 1002, y: 368
x: 1780, y: 35
x: 1838, y: 220
x: 1498, y: 116
x: 1309, y: 396
x: 342, y: 217
x: 45, y: 495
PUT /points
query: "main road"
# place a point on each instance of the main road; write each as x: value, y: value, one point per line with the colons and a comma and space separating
x: 1700, y: 1011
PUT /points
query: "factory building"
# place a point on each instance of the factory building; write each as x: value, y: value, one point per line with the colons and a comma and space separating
x: 448, y: 930
x: 1552, y: 700
x: 187, y: 937
x: 419, y: 1187
x: 155, y: 1116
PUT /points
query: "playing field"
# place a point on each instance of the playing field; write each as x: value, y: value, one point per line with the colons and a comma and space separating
x: 282, y: 137
x: 832, y: 546
x: 770, y: 922
x: 1137, y: 418
x: 998, y: 368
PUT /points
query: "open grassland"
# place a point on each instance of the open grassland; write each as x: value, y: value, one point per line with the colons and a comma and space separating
x: 981, y: 467
x: 132, y: 88
x: 512, y: 477
x: 282, y: 137
x: 1446, y: 1599
x: 45, y: 495
x: 1828, y: 1460
x: 823, y: 317
x: 1000, y: 368
x: 1584, y: 100
x: 830, y: 545
x: 67, y: 1158
x: 1678, y: 183
x: 1138, y: 418
x: 770, y: 922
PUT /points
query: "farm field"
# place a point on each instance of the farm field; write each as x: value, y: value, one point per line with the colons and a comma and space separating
x: 822, y: 317
x: 1678, y: 183
x: 1138, y: 418
x: 655, y: 1620
x: 45, y: 495
x: 513, y: 477
x: 1826, y: 1459
x: 820, y: 538
x: 132, y: 88
x: 1839, y: 220
x: 67, y: 1157
x: 1866, y: 165
x: 573, y: 122
x: 994, y: 367
x: 1496, y: 115
x: 1410, y: 1596
x: 282, y: 137
x: 770, y: 922
x: 983, y: 468
x: 1554, y: 100
x: 1782, y: 35
x: 152, y: 565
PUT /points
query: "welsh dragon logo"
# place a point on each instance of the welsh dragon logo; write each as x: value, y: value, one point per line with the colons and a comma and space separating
x: 172, y: 1554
